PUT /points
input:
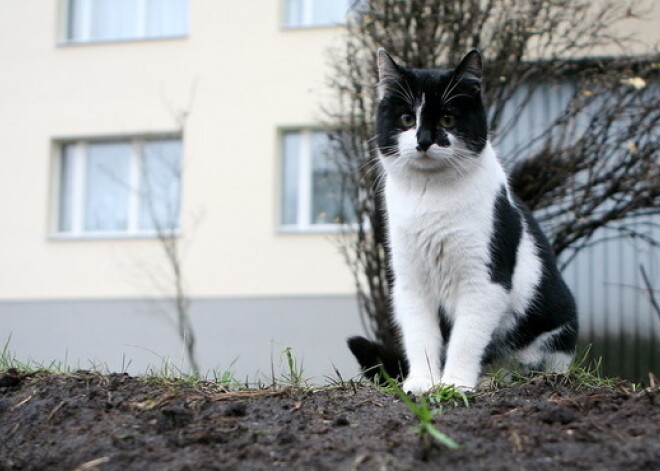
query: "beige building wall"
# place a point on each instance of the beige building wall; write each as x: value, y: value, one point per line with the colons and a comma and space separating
x: 238, y: 75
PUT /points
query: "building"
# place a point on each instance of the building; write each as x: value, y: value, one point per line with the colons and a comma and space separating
x: 212, y: 109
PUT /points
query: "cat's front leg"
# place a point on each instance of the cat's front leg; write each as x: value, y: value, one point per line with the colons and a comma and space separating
x: 478, y: 315
x: 422, y: 341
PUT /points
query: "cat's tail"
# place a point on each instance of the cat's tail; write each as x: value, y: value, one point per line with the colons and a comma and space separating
x: 374, y: 358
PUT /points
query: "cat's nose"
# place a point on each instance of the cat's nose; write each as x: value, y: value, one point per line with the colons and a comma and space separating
x: 424, y: 141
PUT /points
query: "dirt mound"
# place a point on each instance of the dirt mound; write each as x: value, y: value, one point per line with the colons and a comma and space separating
x: 88, y: 421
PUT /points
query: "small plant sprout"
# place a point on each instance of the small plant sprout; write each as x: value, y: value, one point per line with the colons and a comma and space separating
x: 225, y: 377
x: 294, y: 376
x: 448, y: 393
x: 424, y: 413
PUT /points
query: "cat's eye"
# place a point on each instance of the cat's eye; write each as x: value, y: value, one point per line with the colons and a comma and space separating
x: 408, y: 120
x: 447, y: 121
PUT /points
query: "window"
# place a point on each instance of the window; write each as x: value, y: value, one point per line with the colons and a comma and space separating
x: 128, y: 187
x: 117, y: 20
x: 313, y: 190
x: 303, y: 13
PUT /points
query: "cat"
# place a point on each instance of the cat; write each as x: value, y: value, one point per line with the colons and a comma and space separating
x: 475, y: 279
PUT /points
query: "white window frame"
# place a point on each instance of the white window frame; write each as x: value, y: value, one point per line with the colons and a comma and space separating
x: 79, y: 173
x: 307, y: 19
x: 140, y: 35
x: 304, y: 222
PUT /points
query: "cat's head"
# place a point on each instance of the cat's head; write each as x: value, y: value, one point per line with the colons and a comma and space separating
x: 430, y: 121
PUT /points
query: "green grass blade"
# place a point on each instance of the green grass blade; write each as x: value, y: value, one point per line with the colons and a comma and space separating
x: 441, y: 437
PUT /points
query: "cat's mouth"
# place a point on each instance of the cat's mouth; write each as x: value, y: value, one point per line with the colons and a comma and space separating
x: 430, y: 161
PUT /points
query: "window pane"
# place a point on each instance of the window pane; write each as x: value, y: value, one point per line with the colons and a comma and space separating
x: 326, y: 12
x: 293, y: 13
x: 77, y: 20
x: 65, y: 213
x: 314, y: 12
x: 160, y: 185
x: 328, y: 200
x: 103, y: 20
x: 107, y: 186
x: 290, y: 177
x: 113, y: 19
x: 167, y: 18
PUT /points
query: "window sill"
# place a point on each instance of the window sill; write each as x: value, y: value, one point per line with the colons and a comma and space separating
x: 101, y: 42
x: 322, y: 26
x: 90, y: 236
x: 318, y: 229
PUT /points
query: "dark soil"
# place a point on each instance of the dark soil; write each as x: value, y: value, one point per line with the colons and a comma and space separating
x: 88, y: 421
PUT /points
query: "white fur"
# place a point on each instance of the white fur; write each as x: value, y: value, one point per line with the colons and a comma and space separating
x: 440, y: 209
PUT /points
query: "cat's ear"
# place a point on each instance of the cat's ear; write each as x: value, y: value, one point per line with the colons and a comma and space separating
x: 470, y: 66
x: 470, y: 69
x: 390, y: 74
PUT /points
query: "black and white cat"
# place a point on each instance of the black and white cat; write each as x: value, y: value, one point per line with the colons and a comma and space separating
x: 475, y: 278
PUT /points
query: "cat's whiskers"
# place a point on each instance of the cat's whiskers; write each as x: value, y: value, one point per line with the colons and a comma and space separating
x: 374, y: 138
x: 367, y: 165
x: 369, y: 173
x: 453, y: 83
x: 464, y: 158
x: 378, y: 182
x: 392, y: 82
x: 383, y: 149
x: 405, y: 93
x: 455, y: 164
x: 453, y: 97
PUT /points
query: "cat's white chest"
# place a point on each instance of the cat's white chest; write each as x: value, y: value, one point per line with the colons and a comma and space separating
x: 439, y: 238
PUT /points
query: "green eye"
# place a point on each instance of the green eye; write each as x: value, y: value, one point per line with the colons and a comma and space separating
x: 447, y: 121
x: 408, y: 120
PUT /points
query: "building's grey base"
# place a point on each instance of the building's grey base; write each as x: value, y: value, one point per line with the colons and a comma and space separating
x: 245, y: 335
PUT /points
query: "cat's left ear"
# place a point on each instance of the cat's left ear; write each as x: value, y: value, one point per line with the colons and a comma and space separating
x: 470, y: 69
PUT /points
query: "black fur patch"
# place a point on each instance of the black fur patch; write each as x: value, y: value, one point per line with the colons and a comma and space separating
x: 374, y: 358
x: 504, y: 241
x: 553, y: 305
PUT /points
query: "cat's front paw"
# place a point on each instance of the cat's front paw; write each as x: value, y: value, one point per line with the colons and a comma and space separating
x: 418, y: 384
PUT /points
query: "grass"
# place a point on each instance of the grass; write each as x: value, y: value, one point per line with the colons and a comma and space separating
x: 294, y: 376
x: 8, y: 361
x: 172, y: 375
x: 168, y: 373
x: 424, y: 413
x: 584, y: 372
x: 449, y: 394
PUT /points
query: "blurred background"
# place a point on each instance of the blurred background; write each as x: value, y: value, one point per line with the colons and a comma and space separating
x: 171, y: 191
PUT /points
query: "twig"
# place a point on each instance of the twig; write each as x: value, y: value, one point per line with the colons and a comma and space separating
x: 649, y: 290
x: 54, y: 411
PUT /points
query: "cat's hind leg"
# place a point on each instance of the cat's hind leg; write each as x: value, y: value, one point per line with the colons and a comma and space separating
x: 551, y: 352
x: 557, y: 362
x: 560, y: 348
x: 531, y: 358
